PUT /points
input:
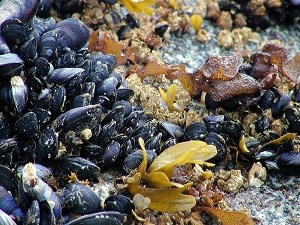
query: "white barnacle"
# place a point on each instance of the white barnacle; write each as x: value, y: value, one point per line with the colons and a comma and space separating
x: 29, y: 177
x: 16, y: 81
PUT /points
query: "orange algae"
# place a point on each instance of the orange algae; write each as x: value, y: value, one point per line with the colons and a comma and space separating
x: 227, y: 218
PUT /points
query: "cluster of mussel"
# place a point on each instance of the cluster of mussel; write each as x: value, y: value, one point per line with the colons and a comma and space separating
x: 68, y: 111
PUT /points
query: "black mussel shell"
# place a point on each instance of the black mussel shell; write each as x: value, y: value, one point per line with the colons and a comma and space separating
x: 168, y: 143
x: 280, y: 104
x: 195, y: 131
x: 72, y: 33
x: 91, y: 151
x: 210, y: 103
x: 80, y: 199
x: 110, y: 154
x: 83, y: 168
x: 125, y: 104
x: 154, y: 143
x: 27, y: 126
x: 267, y: 99
x: 33, y: 215
x: 5, y: 129
x: 107, y: 87
x: 289, y: 163
x: 15, y: 32
x: 133, y: 160
x: 261, y: 124
x: 8, y: 148
x: 40, y: 25
x: 6, y: 219
x: 217, y: 140
x: 7, y: 179
x: 82, y: 100
x: 9, y: 205
x: 160, y: 29
x: 10, y: 65
x: 28, y: 51
x: 233, y: 130
x: 58, y: 100
x: 73, y: 118
x: 104, y: 59
x: 294, y: 120
x: 101, y: 218
x: 119, y: 203
x: 47, y: 146
x: 116, y: 114
x: 124, y: 94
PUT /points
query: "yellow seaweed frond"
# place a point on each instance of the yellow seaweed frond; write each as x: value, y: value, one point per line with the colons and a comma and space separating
x: 169, y: 96
x: 196, y: 22
x: 173, y: 3
x: 139, y: 6
x: 165, y: 195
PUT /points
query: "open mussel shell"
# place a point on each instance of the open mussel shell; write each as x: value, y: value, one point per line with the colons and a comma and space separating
x: 169, y: 129
x: 80, y: 199
x: 101, y: 218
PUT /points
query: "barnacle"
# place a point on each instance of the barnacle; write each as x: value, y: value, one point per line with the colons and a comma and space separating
x: 169, y: 96
x: 139, y: 6
x: 165, y: 195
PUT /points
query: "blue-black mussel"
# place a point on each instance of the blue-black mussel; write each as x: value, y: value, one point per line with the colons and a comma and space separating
x: 64, y: 108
